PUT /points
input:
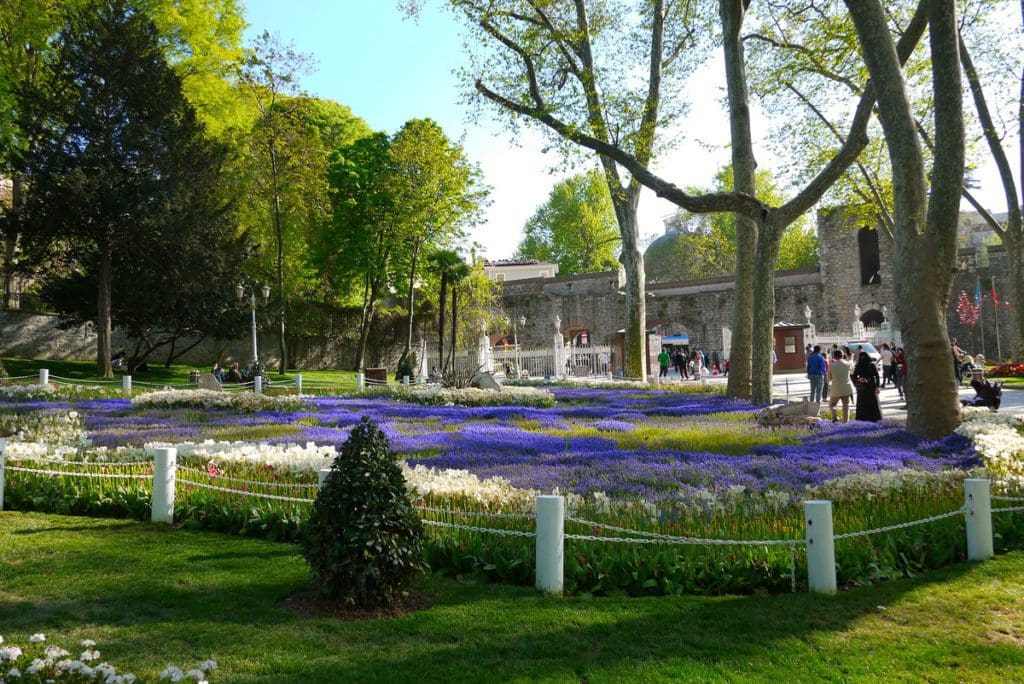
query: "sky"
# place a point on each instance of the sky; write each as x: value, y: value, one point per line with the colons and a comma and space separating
x: 389, y: 69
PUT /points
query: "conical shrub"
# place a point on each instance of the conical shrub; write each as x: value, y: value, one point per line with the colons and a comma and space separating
x: 363, y: 539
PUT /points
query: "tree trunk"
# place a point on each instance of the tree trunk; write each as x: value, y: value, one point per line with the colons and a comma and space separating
x: 104, y: 367
x: 411, y: 301
x: 743, y: 165
x: 440, y: 322
x: 1015, y: 255
x: 282, y: 346
x: 764, y: 313
x: 364, y: 325
x: 455, y: 321
x: 632, y: 260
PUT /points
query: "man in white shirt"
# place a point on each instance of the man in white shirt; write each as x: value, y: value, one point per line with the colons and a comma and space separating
x: 887, y: 365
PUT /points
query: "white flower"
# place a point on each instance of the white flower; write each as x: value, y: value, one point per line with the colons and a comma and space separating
x: 14, y: 673
x: 195, y: 674
x: 88, y: 643
x: 37, y: 638
x: 10, y: 653
x: 208, y: 665
x: 90, y: 655
x: 55, y: 652
x: 172, y: 673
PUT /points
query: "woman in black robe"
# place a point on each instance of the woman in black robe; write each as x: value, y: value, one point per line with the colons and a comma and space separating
x: 865, y: 379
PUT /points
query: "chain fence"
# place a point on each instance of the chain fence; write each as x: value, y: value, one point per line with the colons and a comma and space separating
x: 67, y: 473
x: 260, y: 483
x: 241, y: 492
x: 900, y: 526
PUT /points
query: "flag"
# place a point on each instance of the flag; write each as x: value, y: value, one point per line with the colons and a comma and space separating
x: 977, y: 293
x: 995, y: 299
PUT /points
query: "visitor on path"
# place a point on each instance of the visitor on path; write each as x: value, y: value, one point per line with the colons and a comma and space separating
x: 663, y: 363
x: 695, y: 365
x: 899, y: 369
x: 887, y: 365
x: 956, y: 352
x: 679, y: 361
x: 865, y: 378
x: 218, y: 372
x: 824, y: 384
x: 839, y: 384
x: 816, y: 369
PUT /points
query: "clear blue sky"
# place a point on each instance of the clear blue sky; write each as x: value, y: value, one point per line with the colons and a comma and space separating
x: 390, y: 69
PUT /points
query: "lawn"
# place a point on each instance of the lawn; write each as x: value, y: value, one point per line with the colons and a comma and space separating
x: 157, y: 373
x: 152, y: 596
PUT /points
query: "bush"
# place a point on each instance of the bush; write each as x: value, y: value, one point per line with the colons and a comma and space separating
x: 405, y: 368
x: 363, y: 539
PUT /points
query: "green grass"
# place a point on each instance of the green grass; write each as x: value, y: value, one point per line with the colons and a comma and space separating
x: 152, y: 596
x: 177, y: 373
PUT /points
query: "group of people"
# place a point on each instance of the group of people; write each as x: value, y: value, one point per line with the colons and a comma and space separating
x: 691, y: 365
x: 853, y: 371
x: 235, y: 374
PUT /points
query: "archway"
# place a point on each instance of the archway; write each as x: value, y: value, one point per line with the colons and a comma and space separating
x: 872, y: 319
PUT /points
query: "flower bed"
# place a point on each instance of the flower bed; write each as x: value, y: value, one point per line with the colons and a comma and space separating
x: 670, y: 462
x: 22, y: 392
x: 472, y: 396
x: 210, y: 399
x: 1006, y: 370
x: 41, y: 662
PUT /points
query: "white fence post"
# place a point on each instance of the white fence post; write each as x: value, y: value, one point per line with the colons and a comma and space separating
x: 165, y: 466
x: 821, y: 550
x: 44, y: 377
x: 298, y: 383
x: 126, y: 384
x: 360, y: 381
x: 405, y: 380
x: 257, y: 384
x: 978, y: 502
x: 550, y: 544
x: 322, y: 476
x: 3, y: 444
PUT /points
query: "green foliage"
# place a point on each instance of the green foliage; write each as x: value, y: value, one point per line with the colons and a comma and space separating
x: 704, y: 245
x: 363, y: 538
x: 575, y: 228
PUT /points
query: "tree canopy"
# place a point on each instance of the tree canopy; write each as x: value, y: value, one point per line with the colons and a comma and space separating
x: 575, y: 228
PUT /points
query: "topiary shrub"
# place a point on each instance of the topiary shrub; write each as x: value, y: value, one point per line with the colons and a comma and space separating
x: 363, y: 539
x: 405, y: 368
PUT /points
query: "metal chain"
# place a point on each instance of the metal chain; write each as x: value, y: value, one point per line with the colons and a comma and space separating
x: 900, y: 526
x: 64, y: 473
x: 57, y: 380
x: 262, y: 483
x: 519, y: 516
x: 506, y: 533
x: 20, y: 377
x: 1007, y: 498
x: 97, y: 464
x: 655, y: 537
x: 276, y: 497
x: 1012, y: 509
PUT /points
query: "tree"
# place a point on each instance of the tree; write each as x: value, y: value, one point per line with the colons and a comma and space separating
x: 358, y: 248
x: 441, y: 194
x: 925, y: 223
x: 271, y: 76
x: 575, y: 227
x: 116, y: 146
x: 571, y: 70
x: 449, y: 266
x: 1011, y: 233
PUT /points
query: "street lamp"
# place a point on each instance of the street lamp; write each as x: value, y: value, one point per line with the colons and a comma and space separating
x: 265, y: 291
x: 515, y: 341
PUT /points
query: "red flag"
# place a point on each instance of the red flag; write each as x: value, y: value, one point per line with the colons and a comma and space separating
x: 992, y: 294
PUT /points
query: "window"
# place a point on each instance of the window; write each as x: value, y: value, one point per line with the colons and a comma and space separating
x: 789, y: 345
x: 870, y: 262
x: 872, y: 318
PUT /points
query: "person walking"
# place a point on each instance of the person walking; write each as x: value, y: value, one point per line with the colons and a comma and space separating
x: 887, y: 375
x: 663, y: 360
x: 865, y: 379
x: 816, y: 369
x: 899, y: 369
x: 840, y: 387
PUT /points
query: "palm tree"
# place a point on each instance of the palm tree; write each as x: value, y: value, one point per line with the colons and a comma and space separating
x: 456, y: 274
x: 442, y: 262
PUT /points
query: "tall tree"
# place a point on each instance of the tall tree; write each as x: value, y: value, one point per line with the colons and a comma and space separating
x: 441, y: 194
x: 115, y: 145
x: 572, y: 69
x: 925, y: 224
x: 445, y: 263
x: 272, y: 77
x: 358, y: 249
x: 575, y: 228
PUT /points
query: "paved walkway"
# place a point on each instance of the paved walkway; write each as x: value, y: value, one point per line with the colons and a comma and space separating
x: 795, y: 386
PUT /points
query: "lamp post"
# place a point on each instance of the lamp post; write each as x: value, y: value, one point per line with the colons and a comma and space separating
x: 265, y: 291
x: 515, y: 341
